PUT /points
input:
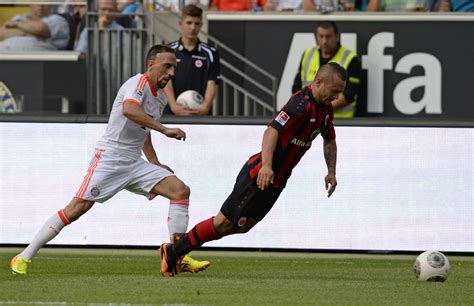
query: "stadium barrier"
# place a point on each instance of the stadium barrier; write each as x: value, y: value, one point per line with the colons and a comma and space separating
x: 406, y: 187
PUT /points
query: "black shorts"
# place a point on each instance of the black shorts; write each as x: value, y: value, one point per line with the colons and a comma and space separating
x: 247, y: 201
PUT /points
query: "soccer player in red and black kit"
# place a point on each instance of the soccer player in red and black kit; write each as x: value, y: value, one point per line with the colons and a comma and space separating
x: 262, y: 178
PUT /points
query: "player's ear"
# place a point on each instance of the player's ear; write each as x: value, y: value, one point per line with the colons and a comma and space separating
x: 149, y: 63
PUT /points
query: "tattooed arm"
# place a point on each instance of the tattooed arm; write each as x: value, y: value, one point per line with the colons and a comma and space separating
x: 330, y: 155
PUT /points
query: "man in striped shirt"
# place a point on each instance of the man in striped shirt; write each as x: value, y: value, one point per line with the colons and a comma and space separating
x: 117, y: 163
x: 288, y: 136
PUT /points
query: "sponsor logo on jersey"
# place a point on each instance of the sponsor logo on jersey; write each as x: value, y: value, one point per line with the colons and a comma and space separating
x: 301, y: 143
x: 282, y: 118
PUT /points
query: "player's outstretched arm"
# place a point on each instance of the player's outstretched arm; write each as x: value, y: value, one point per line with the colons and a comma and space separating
x: 265, y: 175
x: 134, y: 112
x: 330, y: 155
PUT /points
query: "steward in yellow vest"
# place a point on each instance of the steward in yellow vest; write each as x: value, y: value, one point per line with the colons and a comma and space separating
x: 329, y: 50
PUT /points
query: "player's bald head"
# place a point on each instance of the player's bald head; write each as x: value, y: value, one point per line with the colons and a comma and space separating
x: 331, y: 70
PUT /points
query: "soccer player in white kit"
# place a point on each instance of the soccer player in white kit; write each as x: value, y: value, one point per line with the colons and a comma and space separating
x: 117, y: 162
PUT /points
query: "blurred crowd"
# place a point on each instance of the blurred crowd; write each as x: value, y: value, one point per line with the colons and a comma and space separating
x: 324, y: 6
x: 61, y: 27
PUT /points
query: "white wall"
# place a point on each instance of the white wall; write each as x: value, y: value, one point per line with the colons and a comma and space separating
x: 399, y: 188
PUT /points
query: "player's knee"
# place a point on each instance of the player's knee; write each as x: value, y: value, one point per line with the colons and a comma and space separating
x: 223, y: 225
x: 76, y: 208
x: 182, y: 192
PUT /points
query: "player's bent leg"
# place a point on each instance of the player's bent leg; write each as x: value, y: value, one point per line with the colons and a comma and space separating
x: 223, y: 225
x: 178, y: 216
x: 76, y: 208
x: 49, y: 230
x: 172, y: 188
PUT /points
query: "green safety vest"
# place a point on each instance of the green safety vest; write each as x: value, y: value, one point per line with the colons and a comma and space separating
x: 310, y: 66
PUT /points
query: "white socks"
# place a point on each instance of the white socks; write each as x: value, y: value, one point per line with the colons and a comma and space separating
x: 178, y: 217
x: 50, y: 229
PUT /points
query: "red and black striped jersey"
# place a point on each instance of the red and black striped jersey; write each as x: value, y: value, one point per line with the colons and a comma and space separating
x: 299, y: 122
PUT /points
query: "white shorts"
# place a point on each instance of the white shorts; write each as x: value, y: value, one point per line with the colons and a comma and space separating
x: 110, y: 173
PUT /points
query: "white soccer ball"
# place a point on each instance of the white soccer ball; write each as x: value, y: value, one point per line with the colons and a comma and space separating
x: 190, y: 99
x: 432, y: 266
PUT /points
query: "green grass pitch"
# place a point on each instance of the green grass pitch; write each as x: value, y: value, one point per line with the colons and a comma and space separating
x: 85, y: 276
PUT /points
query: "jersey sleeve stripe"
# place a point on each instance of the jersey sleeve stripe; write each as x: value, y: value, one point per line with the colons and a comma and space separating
x: 208, y: 51
x: 142, y: 82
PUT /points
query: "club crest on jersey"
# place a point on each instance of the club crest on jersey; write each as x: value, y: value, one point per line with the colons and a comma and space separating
x: 198, y: 63
x: 95, y: 191
x: 242, y: 221
x: 282, y: 118
x: 150, y: 106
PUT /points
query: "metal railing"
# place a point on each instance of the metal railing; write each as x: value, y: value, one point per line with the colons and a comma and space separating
x: 114, y: 55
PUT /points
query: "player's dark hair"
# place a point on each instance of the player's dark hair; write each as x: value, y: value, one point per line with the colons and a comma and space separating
x: 191, y: 10
x: 328, y: 25
x: 331, y: 69
x: 158, y: 49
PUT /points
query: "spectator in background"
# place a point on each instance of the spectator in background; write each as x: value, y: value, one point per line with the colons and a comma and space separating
x: 127, y: 7
x: 329, y: 50
x: 176, y: 5
x: 284, y: 5
x: 197, y: 68
x: 107, y: 9
x: 398, y: 5
x: 237, y: 5
x: 456, y: 5
x: 38, y: 31
x: 320, y: 5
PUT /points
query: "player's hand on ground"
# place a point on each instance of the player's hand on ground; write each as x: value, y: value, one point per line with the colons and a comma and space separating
x: 331, y: 183
x: 175, y: 133
x: 265, y: 177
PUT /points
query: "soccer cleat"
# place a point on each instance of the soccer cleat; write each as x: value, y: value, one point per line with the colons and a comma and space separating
x: 189, y: 264
x: 169, y: 262
x: 19, y: 265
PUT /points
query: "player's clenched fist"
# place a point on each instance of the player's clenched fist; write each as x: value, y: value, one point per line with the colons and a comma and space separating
x: 175, y: 133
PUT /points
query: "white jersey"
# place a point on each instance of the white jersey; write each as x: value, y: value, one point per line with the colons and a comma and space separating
x: 122, y: 135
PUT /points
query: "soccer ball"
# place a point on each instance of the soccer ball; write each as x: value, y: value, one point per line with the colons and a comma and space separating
x: 432, y: 266
x: 190, y: 99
